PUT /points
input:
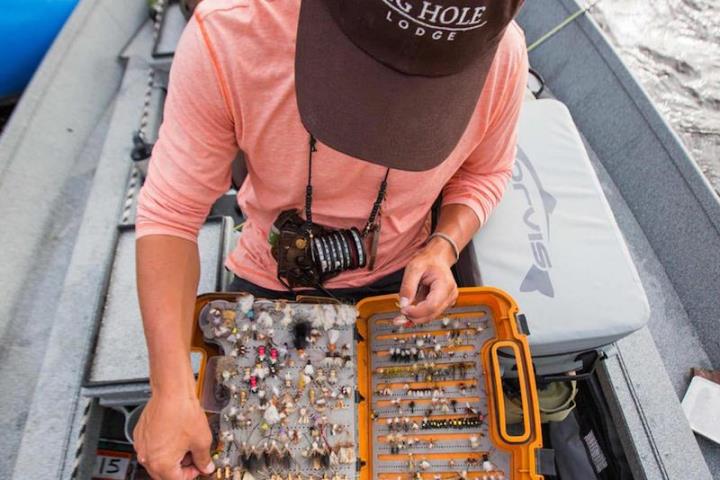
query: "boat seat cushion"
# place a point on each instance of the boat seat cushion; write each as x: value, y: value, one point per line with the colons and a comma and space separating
x: 554, y: 245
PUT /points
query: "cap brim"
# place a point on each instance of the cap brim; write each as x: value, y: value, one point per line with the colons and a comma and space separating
x: 365, y: 109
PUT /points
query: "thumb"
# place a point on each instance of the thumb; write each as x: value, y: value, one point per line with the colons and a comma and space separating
x: 201, y: 458
x: 409, y: 287
x: 191, y: 473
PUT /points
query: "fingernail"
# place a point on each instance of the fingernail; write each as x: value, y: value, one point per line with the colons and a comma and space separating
x: 210, y: 468
x: 400, y: 320
x: 404, y: 302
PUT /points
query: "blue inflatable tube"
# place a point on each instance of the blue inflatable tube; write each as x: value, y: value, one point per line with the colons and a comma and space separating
x: 27, y: 29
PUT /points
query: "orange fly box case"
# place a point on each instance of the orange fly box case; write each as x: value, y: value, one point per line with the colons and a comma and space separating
x: 427, y: 404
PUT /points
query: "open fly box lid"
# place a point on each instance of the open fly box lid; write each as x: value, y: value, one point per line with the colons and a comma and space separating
x: 421, y: 402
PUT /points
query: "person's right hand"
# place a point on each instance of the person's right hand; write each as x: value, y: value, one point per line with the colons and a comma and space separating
x: 173, y: 439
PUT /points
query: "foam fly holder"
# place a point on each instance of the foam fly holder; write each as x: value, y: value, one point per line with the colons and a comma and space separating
x: 484, y: 327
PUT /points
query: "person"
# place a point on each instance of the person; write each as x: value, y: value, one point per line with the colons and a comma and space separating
x: 337, y: 96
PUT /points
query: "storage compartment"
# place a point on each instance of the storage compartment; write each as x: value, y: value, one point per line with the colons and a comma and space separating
x: 330, y: 391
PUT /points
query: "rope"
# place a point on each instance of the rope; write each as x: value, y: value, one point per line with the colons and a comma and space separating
x: 142, y: 149
x: 561, y: 25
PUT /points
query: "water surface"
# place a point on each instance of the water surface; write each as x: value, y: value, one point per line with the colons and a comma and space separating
x: 673, y: 49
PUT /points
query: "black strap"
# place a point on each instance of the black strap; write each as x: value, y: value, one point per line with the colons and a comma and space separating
x: 308, y: 188
x: 309, y: 192
x: 376, y: 206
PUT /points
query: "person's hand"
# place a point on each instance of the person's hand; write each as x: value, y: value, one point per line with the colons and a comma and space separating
x: 428, y: 287
x: 173, y: 439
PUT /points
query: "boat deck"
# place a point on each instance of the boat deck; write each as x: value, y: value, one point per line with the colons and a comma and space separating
x: 65, y: 169
x: 662, y: 354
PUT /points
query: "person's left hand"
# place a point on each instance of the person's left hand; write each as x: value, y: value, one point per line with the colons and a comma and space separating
x: 428, y: 286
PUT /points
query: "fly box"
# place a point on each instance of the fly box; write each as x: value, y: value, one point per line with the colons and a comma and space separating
x: 322, y: 391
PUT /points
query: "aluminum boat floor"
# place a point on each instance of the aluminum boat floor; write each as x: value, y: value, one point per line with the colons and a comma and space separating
x: 27, y: 326
x: 49, y: 153
x: 50, y: 157
x: 676, y: 340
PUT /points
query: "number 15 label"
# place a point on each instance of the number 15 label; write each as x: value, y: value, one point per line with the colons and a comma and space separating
x: 111, y: 465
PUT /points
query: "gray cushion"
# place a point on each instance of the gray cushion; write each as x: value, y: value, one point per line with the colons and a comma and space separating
x: 554, y: 245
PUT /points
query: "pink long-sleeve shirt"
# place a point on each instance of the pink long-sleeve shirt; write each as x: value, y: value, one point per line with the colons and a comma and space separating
x: 232, y: 88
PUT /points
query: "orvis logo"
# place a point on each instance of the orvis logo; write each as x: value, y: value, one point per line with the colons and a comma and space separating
x: 536, y: 217
x: 439, y: 22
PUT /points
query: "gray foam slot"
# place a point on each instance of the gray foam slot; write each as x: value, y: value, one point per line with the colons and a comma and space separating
x: 282, y: 336
x: 475, y: 326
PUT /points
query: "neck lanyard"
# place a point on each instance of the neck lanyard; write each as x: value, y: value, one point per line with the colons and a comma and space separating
x: 372, y: 221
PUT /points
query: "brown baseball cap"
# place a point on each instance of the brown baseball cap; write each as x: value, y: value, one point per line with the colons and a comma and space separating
x: 395, y: 82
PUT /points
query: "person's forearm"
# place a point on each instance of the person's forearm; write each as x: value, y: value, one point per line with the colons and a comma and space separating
x: 460, y: 223
x: 167, y: 278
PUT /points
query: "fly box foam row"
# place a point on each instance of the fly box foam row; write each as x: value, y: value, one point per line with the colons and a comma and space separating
x: 322, y: 391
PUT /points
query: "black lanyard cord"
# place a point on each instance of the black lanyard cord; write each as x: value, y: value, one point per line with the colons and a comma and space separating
x: 309, y: 188
x: 309, y: 192
x: 376, y: 206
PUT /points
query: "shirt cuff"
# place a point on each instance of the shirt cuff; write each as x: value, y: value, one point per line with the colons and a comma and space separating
x: 474, y: 205
x: 146, y: 229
